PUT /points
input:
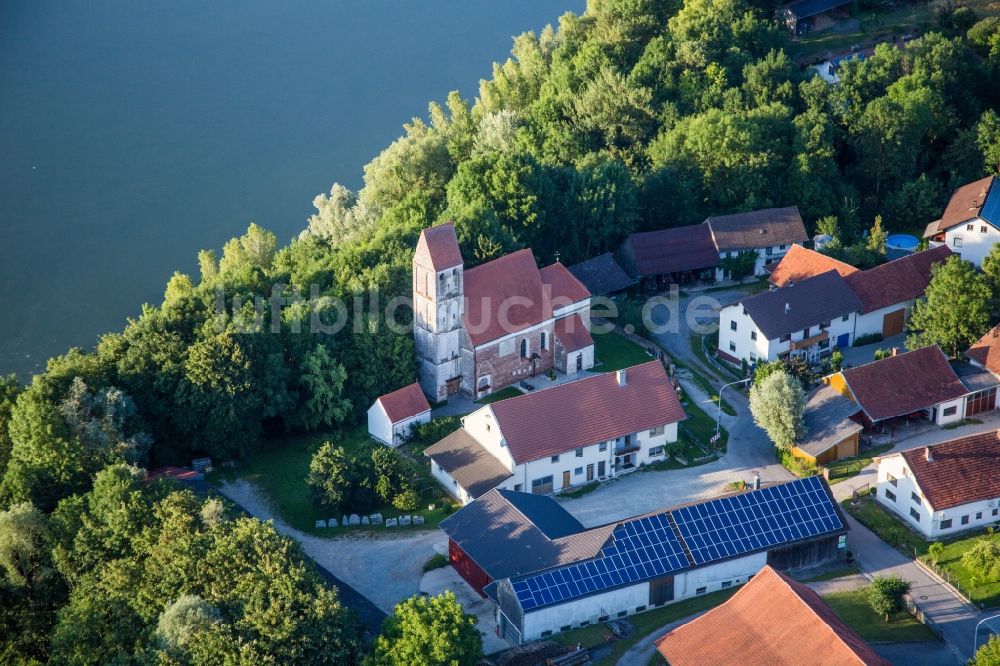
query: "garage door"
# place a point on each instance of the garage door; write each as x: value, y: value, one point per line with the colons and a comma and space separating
x: 892, y: 323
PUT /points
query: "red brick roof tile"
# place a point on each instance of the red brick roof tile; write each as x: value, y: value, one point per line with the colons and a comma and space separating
x: 801, y: 264
x: 438, y: 247
x: 961, y: 471
x: 573, y: 334
x: 404, y: 403
x: 770, y: 620
x: 510, y: 285
x: 565, y: 287
x: 587, y: 411
x: 904, y: 384
x: 965, y: 204
x: 896, y: 281
x: 986, y: 352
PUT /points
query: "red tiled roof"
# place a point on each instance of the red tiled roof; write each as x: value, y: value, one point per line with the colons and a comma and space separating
x: 587, y: 411
x: 897, y: 281
x: 770, y: 620
x: 965, y: 204
x: 961, y: 471
x: 438, y: 247
x: 512, y: 283
x: 986, y: 352
x: 904, y: 384
x: 758, y: 228
x: 573, y: 334
x: 675, y: 250
x: 565, y: 287
x: 801, y: 264
x: 404, y: 403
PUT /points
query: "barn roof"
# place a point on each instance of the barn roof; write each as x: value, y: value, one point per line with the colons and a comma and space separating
x: 602, y: 275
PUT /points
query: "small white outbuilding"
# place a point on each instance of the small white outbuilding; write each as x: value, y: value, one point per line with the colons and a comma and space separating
x: 393, y: 414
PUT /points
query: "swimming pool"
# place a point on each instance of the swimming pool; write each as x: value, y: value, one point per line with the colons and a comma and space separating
x: 902, y: 242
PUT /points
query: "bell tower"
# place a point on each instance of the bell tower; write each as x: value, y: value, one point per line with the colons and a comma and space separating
x: 438, y: 299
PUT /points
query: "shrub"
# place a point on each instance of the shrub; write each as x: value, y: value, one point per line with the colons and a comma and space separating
x: 984, y: 560
x: 885, y: 594
x: 935, y: 550
x: 406, y: 500
x: 437, y: 561
x: 328, y: 479
x: 871, y: 338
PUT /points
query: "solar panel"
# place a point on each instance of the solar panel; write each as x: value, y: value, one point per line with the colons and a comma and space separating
x: 727, y: 527
x: 991, y: 209
x: 761, y: 519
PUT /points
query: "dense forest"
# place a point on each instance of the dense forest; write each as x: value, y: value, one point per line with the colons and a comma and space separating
x: 637, y: 115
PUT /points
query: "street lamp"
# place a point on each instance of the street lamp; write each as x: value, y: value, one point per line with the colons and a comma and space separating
x: 975, y: 639
x: 718, y: 415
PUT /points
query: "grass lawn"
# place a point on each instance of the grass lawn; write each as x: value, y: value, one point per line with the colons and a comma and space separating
x: 887, y: 527
x: 614, y: 352
x: 845, y: 468
x: 697, y: 343
x: 280, y: 471
x: 981, y: 592
x: 700, y: 425
x: 833, y: 574
x: 645, y: 624
x: 503, y: 394
x: 852, y: 607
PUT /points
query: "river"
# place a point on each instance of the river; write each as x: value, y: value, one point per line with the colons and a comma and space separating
x: 133, y: 134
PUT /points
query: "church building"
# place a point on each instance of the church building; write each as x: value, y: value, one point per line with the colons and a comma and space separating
x: 479, y: 330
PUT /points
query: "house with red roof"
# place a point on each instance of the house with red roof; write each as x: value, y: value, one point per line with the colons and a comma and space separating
x: 970, y: 224
x: 774, y: 620
x: 481, y: 329
x: 391, y: 417
x: 801, y: 263
x: 946, y: 488
x: 590, y: 429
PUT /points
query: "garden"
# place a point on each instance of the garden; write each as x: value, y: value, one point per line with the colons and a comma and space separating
x: 359, y: 474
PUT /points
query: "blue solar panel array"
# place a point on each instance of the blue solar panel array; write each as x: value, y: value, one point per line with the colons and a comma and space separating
x: 648, y: 547
x: 641, y: 549
x: 991, y: 208
x: 759, y: 520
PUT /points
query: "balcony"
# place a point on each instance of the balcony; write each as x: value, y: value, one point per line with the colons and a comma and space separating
x: 625, y: 449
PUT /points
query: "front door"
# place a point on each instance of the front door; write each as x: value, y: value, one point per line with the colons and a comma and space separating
x: 843, y: 340
x: 590, y: 472
x: 892, y: 323
x: 579, y: 362
x: 454, y: 385
x: 565, y: 479
x: 600, y: 468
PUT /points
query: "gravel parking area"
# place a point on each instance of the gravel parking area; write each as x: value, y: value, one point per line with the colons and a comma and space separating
x: 385, y: 569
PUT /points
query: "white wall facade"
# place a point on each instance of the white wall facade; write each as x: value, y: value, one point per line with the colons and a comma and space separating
x: 717, y: 576
x: 972, y: 240
x: 949, y: 412
x: 899, y: 492
x: 450, y: 484
x: 390, y: 433
x: 747, y: 342
x: 483, y: 427
x: 437, y: 319
x: 871, y: 322
x: 587, y: 362
x: 765, y: 256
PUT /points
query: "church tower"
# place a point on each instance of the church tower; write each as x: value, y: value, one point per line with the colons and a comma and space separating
x: 438, y: 299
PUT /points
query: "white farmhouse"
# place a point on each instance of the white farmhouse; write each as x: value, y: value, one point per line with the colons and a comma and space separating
x: 768, y: 233
x: 969, y: 225
x: 808, y: 319
x: 946, y: 488
x: 590, y: 429
x: 391, y: 417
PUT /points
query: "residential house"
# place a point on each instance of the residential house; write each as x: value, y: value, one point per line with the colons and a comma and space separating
x: 798, y: 627
x: 482, y: 329
x: 546, y: 574
x: 590, y: 429
x: 830, y: 429
x: 768, y: 233
x: 806, y: 319
x: 916, y: 384
x: 829, y: 70
x: 970, y: 224
x: 602, y: 275
x: 391, y: 417
x: 946, y: 488
x: 670, y: 256
x: 888, y: 292
x: 801, y: 263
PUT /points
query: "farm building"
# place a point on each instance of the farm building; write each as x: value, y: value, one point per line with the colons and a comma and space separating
x: 546, y: 575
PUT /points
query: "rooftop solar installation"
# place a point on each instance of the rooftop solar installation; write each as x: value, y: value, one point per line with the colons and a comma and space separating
x: 648, y: 547
x: 759, y: 520
x: 991, y: 209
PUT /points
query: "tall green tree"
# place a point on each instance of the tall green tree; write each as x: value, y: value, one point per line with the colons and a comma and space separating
x: 428, y: 631
x: 778, y: 404
x: 955, y: 311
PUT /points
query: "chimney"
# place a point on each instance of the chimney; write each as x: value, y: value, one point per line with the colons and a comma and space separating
x: 621, y: 377
x: 788, y: 306
x: 895, y: 351
x: 756, y: 481
x: 928, y: 454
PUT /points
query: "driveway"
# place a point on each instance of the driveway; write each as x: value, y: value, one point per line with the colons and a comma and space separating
x: 386, y: 569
